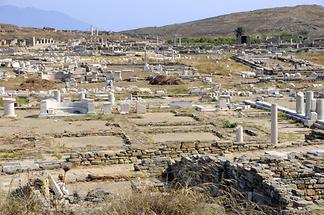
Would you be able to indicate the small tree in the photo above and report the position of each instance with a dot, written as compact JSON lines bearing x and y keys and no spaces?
{"x":239,"y":32}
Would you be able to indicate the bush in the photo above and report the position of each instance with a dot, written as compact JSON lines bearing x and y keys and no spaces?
{"x":19,"y":205}
{"x":228,"y":124}
{"x":282,"y":115}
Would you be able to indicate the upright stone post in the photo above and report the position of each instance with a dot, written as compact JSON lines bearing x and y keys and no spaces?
{"x":57,"y":95}
{"x":239,"y":134}
{"x":82,"y":96}
{"x":320,"y":109}
{"x":107,"y":108}
{"x":43,"y":108}
{"x":309,"y":101}
{"x":140,"y":107}
{"x":300,"y":106}
{"x":274,"y":124}
{"x":9,"y":107}
{"x":111,"y":98}
{"x":90,"y":106}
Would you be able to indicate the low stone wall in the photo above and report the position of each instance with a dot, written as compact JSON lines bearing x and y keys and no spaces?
{"x":17,"y":167}
{"x":189,"y":123}
{"x":168,"y":150}
{"x":134,"y":155}
{"x":125,"y":137}
{"x":155,"y":166}
{"x":162,"y":130}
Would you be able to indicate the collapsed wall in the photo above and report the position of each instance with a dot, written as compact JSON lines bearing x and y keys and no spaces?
{"x":287,"y":183}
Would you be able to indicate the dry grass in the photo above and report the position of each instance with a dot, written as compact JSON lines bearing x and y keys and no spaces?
{"x":19,"y":205}
{"x":222,"y":66}
{"x":315,"y":57}
{"x":89,"y":117}
{"x":177,"y":202}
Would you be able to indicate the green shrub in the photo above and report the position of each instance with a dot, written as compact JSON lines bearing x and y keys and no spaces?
{"x":228,"y":124}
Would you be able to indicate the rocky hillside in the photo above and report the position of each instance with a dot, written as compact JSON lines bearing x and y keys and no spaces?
{"x":285,"y":19}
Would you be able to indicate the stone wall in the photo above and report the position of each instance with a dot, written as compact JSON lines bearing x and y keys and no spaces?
{"x":288,"y":183}
{"x":131,"y":154}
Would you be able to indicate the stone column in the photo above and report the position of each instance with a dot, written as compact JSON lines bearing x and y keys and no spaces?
{"x":111,"y":98}
{"x":107,"y":108}
{"x":124,"y":107}
{"x":239,"y":134}
{"x":82,"y":96}
{"x":57,"y":95}
{"x":309,"y":101}
{"x":320,"y":109}
{"x":90,"y":106}
{"x":9,"y":107}
{"x":2,"y":91}
{"x":43,"y":108}
{"x":274,"y":124}
{"x":140,"y":107}
{"x":314,"y":101}
{"x":300,"y":106}
{"x":118,"y":76}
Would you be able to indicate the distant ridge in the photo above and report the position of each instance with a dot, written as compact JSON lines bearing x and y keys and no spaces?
{"x":283,"y":19}
{"x":33,"y":17}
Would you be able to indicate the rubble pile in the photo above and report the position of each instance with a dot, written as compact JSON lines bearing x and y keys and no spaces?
{"x":52,"y":197}
{"x":37,"y":84}
{"x":165,"y":80}
{"x":286,"y":182}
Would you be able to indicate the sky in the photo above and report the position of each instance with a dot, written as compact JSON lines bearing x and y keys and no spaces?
{"x":117,"y":15}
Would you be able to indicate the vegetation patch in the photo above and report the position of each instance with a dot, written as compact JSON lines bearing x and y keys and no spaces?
{"x":228,"y":124}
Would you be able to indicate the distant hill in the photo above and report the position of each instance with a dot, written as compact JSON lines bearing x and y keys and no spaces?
{"x":32,"y":17}
{"x":285,"y":19}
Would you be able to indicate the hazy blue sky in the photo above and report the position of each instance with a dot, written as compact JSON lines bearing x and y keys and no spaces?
{"x":127,"y":14}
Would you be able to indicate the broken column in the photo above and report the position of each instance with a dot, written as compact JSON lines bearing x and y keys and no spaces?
{"x":43,"y":108}
{"x":107,"y":108}
{"x":82,"y":96}
{"x":300,"y":106}
{"x":90,"y":106}
{"x":124,"y":107}
{"x":2,"y":91}
{"x":9,"y":107}
{"x":309,"y":101}
{"x":320,"y":109}
{"x":118,"y":76}
{"x":111,"y":98}
{"x":274,"y":124}
{"x":239,"y":134}
{"x":140,"y":107}
{"x":57,"y":95}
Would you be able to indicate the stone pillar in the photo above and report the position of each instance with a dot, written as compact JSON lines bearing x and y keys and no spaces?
{"x":107,"y":108}
{"x":300,"y":106}
{"x":57,"y":95}
{"x":82,"y":96}
{"x":320,"y":109}
{"x":111,"y":98}
{"x":309,"y":101}
{"x":90,"y":106}
{"x":140,"y":107}
{"x":9,"y":107}
{"x":43,"y":108}
{"x":274,"y":124}
{"x":124,"y":107}
{"x":239,"y":134}
{"x":314,"y":102}
{"x":118,"y":76}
